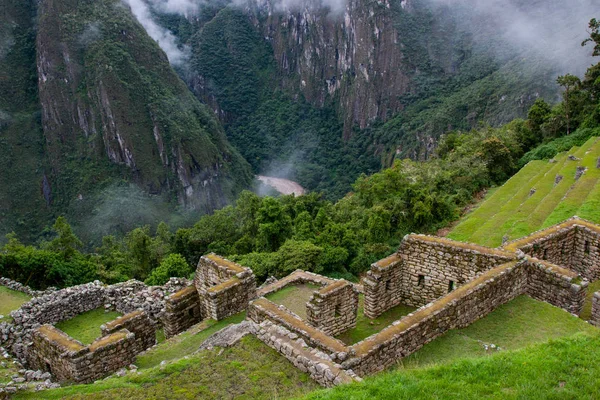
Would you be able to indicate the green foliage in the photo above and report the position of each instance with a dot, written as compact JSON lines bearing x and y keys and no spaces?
{"x":549,"y":150}
{"x":174,"y":265}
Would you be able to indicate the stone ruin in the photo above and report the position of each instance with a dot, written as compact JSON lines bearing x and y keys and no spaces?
{"x":69,"y":360}
{"x":221,"y":288}
{"x":334,"y":308}
{"x":453,"y":283}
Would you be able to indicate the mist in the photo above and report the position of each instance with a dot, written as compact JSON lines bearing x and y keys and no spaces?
{"x":552,"y":29}
{"x":120,"y":208}
{"x":183,"y":7}
{"x":165,"y":39}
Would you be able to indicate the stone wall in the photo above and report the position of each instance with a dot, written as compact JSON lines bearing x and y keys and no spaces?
{"x":316,"y":363}
{"x":558,"y":286}
{"x":68,"y":360}
{"x":224,"y":287}
{"x":595,"y":318}
{"x":458,"y":309}
{"x":182,"y":310}
{"x":334,"y":308}
{"x":67,"y":303}
{"x":297,"y":277}
{"x":261,"y":310}
{"x":19,"y":287}
{"x":139,"y":324}
{"x":424,"y":269}
{"x":574,"y":243}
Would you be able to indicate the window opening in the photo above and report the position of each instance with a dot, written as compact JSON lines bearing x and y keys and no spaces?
{"x":451,"y":286}
{"x":586,"y":249}
{"x":421,"y":281}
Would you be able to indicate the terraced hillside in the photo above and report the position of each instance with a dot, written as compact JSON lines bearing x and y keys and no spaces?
{"x":542,"y":194}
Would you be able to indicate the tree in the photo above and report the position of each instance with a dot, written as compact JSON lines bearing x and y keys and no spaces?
{"x":139,"y":246}
{"x":65,"y":242}
{"x":174,"y":265}
{"x":569,"y":83}
{"x":274,"y":225}
{"x":498,"y":159}
{"x":536,"y":117}
{"x":594,"y":37}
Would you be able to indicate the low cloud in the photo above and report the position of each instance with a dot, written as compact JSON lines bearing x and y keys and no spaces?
{"x":165,"y":39}
{"x":553,"y":29}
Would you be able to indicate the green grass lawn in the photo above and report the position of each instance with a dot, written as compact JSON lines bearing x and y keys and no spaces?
{"x":249,"y":370}
{"x":184,"y":344}
{"x":513,"y":211}
{"x":86,"y":327}
{"x":499,"y":196}
{"x":586,"y":313}
{"x":366,"y":327}
{"x":294,"y":297}
{"x":561,"y":369}
{"x":519,"y":323}
{"x":11,"y":300}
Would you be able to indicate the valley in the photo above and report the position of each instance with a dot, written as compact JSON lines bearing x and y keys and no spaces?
{"x":242,"y":199}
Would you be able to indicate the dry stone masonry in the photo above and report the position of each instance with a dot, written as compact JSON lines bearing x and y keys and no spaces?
{"x":595,"y":318}
{"x":574,"y":244}
{"x":334,"y":308}
{"x":424,"y":269}
{"x":69,"y":360}
{"x":453,"y":283}
{"x":182,"y":311}
{"x":224,"y":287}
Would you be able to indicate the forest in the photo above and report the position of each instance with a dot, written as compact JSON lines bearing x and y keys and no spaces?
{"x":276,"y":235}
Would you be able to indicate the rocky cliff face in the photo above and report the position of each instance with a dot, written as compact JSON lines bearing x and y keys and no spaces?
{"x":352,"y":55}
{"x":109,"y":97}
{"x":89,"y":101}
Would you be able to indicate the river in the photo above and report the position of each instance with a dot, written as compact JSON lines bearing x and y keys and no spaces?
{"x":283,"y":186}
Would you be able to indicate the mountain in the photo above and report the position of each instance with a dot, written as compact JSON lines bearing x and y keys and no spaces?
{"x":99,"y":123}
{"x":386,"y":78}
{"x":108,"y":108}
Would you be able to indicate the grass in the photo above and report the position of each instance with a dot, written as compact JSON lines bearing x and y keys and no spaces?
{"x":11,"y":300}
{"x":249,"y":370}
{"x":86,"y":327}
{"x":561,"y":369}
{"x":294,"y":297}
{"x":366,"y":327}
{"x":184,"y":344}
{"x":517,"y":324}
{"x":586,"y":313}
{"x":483,"y":212}
{"x":514,"y":212}
{"x":578,"y":194}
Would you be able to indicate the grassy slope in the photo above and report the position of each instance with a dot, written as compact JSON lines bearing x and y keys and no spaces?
{"x":366,"y":327}
{"x":294,"y":297}
{"x":184,"y":344}
{"x":86,"y":327}
{"x":514,"y":212}
{"x":249,"y":370}
{"x":561,"y":369}
{"x":520,"y":323}
{"x":10,"y":300}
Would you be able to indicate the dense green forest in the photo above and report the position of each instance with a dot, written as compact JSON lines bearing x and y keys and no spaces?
{"x":109,"y":177}
{"x":457,"y":80}
{"x":276,"y":235}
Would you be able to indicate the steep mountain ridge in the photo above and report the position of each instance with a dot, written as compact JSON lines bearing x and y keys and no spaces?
{"x":112,"y":109}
